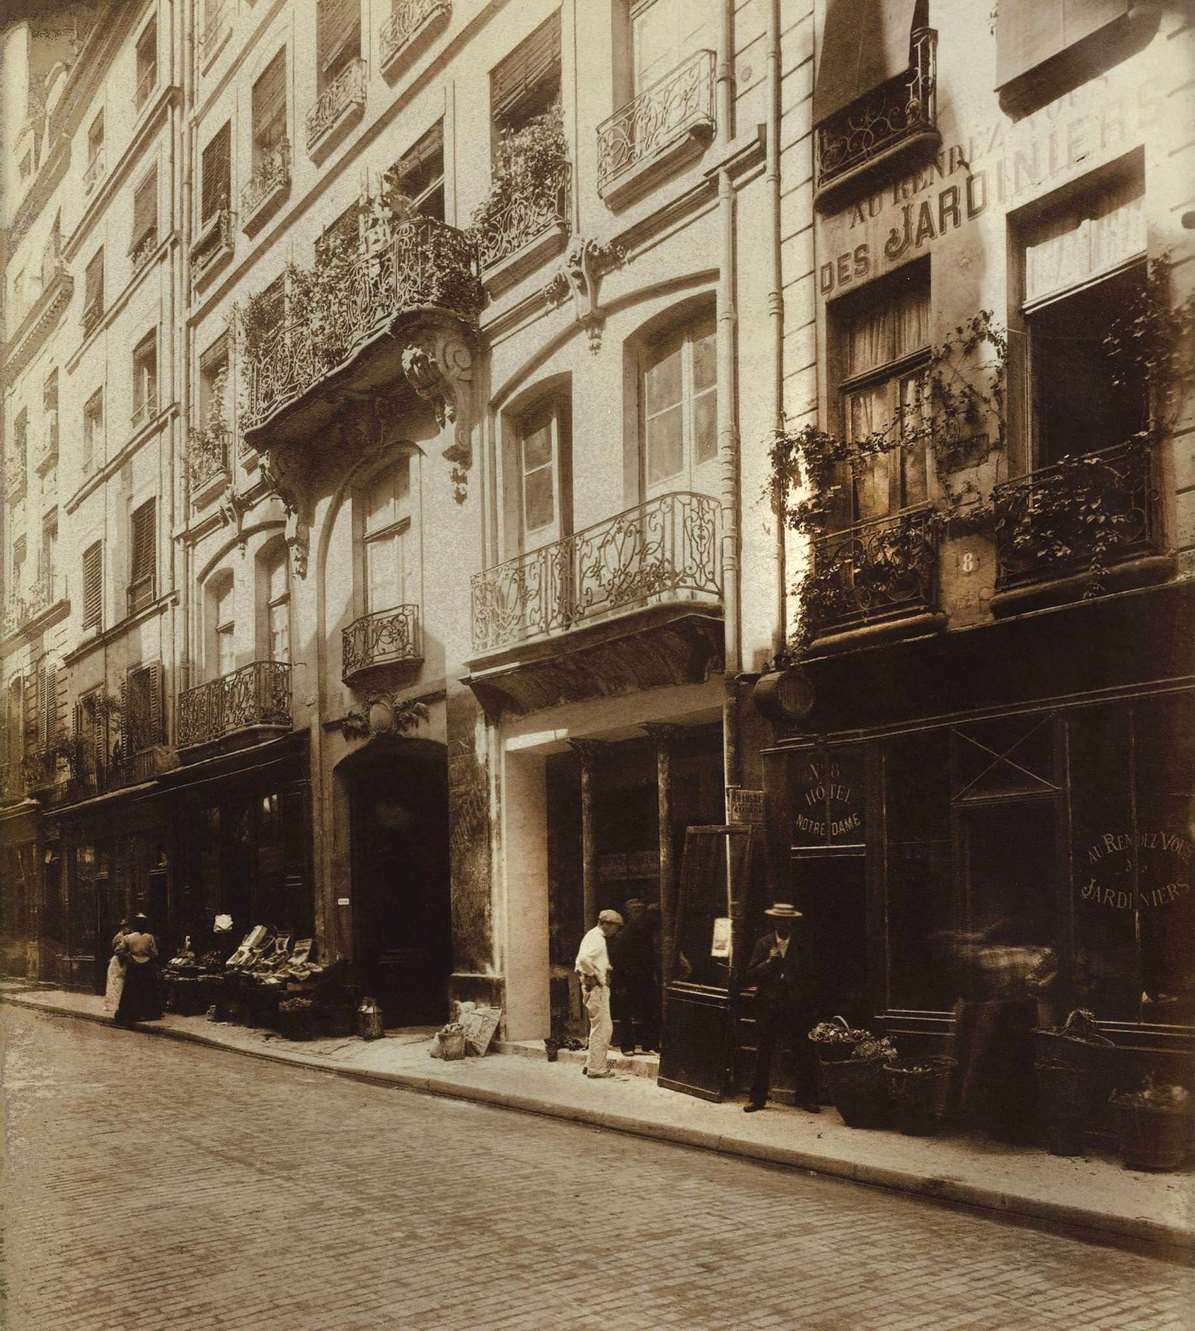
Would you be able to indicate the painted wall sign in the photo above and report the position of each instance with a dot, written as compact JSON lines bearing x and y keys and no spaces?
{"x":1000,"y":165}
{"x":1164,"y":870}
{"x":828,"y":806}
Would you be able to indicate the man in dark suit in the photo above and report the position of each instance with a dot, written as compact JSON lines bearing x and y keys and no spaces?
{"x":782,"y":973}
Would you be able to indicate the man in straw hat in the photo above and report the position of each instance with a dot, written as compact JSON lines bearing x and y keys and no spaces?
{"x":593,"y":966}
{"x":783,"y":977}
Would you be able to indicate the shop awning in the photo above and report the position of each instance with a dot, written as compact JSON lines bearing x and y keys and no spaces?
{"x":866,"y":42}
{"x":1030,"y":32}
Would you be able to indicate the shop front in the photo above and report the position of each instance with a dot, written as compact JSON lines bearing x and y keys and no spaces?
{"x":20,"y":873}
{"x":994,"y":785}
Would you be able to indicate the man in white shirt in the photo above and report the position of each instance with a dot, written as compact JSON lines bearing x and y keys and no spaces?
{"x":593,"y":966}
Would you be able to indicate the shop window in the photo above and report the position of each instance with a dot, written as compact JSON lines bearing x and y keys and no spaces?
{"x":147,"y":62}
{"x":337,"y":38}
{"x":418,"y":175}
{"x":679,"y":400}
{"x":216,"y":175}
{"x":93,"y":585}
{"x":663,"y":33}
{"x":526,"y":84}
{"x":145,"y":379}
{"x":386,"y":540}
{"x":1009,"y":872}
{"x":882,"y":346}
{"x":93,"y":429}
{"x":145,"y":217}
{"x":143,"y":556}
{"x":93,"y":291}
{"x":277,"y":597}
{"x":1003,"y":757}
{"x":141,"y":715}
{"x":1083,"y":266}
{"x":269,"y":112}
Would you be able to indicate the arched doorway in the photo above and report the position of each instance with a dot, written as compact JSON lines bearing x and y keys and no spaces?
{"x":402,"y":941}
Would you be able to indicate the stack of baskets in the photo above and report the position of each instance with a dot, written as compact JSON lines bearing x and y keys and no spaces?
{"x":853,"y":1076}
{"x":1074,"y":1079}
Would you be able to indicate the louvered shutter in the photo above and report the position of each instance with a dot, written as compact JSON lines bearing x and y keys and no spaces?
{"x":49,"y":706}
{"x":141,"y":577}
{"x":32,"y":712}
{"x":93,"y":283}
{"x":1030,"y":32}
{"x":143,"y":702}
{"x":93,"y":584}
{"x":216,"y":174}
{"x":269,"y":104}
{"x":145,"y":209}
{"x":120,"y":744}
{"x":338,"y":30}
{"x":532,"y":61}
{"x":154,"y":721}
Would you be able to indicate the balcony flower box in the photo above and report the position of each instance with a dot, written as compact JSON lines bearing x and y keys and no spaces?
{"x":269,"y":185}
{"x":207,"y":462}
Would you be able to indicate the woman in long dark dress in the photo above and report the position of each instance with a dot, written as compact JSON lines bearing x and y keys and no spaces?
{"x":140,"y":1000}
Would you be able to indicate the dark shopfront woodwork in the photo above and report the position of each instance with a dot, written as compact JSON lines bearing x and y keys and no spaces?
{"x":1063,"y":821}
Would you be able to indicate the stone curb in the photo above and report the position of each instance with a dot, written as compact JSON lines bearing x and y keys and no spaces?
{"x":1162,"y":1240}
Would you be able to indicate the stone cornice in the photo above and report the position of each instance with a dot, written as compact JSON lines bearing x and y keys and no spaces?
{"x":35,"y":327}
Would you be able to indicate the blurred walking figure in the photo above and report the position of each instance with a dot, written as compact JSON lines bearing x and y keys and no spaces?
{"x":140,"y":998}
{"x":593,"y":966}
{"x":115,"y":979}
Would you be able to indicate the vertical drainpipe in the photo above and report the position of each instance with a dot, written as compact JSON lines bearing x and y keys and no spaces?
{"x":776,"y":305}
{"x":183,"y":281}
{"x":728,"y":438}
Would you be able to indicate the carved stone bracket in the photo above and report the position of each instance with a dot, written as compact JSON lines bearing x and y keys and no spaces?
{"x":438,"y":364}
{"x":283,"y":481}
{"x":580,"y":273}
{"x":232,"y":509}
{"x":382,"y":714}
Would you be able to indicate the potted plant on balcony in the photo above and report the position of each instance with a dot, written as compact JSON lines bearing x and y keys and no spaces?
{"x":528,"y":181}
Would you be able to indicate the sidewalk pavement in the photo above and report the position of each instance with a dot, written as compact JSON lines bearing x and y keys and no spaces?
{"x":1094,"y":1194}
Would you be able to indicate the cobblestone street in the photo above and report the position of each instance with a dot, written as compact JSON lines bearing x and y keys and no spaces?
{"x":153,"y":1185}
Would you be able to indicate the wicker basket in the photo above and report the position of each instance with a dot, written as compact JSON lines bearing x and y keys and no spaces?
{"x":859,"y":1091}
{"x":917,"y":1090}
{"x":1078,"y":1043}
{"x":838,"y":1052}
{"x":1154,"y":1137}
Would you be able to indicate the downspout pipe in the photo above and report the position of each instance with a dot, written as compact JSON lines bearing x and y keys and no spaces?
{"x":776,"y":314}
{"x":183,"y":280}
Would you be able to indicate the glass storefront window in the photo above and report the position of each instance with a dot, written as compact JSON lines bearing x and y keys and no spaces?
{"x":827,"y":797}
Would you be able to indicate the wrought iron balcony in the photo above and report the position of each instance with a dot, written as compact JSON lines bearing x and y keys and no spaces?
{"x":215,"y":240}
{"x":876,"y":571}
{"x":269,"y":181}
{"x":346,"y":93}
{"x":255,"y":695}
{"x":536,"y":208}
{"x":387,"y":637}
{"x":409,"y":19}
{"x":670,"y":112}
{"x":94,"y":173}
{"x":144,"y":247}
{"x":424,"y":264}
{"x":663,"y":550}
{"x":1084,"y":513}
{"x":888,"y":120}
{"x":95,"y":769}
{"x":41,"y":766}
{"x":208,"y":457}
{"x":47,"y":592}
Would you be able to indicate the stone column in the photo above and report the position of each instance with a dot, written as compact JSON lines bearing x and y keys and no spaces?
{"x":664,"y":737}
{"x":589,"y":752}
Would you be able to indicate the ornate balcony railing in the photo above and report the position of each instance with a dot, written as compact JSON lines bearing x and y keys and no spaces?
{"x":96,"y":768}
{"x":40,"y":766}
{"x":214,"y":32}
{"x":537,"y":206}
{"x":347,"y":90}
{"x":207,"y":456}
{"x":408,"y":19}
{"x":1087,"y":511}
{"x":95,"y":170}
{"x":46,"y":454}
{"x":425,"y":263}
{"x":254,"y":695}
{"x":144,"y":248}
{"x":12,"y":788}
{"x":670,"y":109}
{"x":879,"y":570}
{"x":270,"y":178}
{"x":884,"y":118}
{"x":15,"y":477}
{"x":664,"y":549}
{"x":383,"y":638}
{"x":215,"y":238}
{"x":46,"y":592}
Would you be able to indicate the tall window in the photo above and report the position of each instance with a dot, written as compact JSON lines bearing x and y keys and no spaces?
{"x":93,"y":291}
{"x":213,"y":383}
{"x":142,"y":715}
{"x":277,"y":586}
{"x":20,"y":441}
{"x":269,"y":111}
{"x":18,"y":566}
{"x":386,"y":538}
{"x":419,"y":174}
{"x":93,"y":585}
{"x":145,"y":379}
{"x":49,"y":550}
{"x":663,"y":33}
{"x":216,"y":174}
{"x":93,"y":428}
{"x":527,"y":82}
{"x":49,"y":402}
{"x":95,"y":139}
{"x":224,"y":657}
{"x":883,"y":346}
{"x":143,"y":558}
{"x":680,"y":407}
{"x":147,"y":62}
{"x":145,"y":217}
{"x":1084,"y":267}
{"x":337,"y":38}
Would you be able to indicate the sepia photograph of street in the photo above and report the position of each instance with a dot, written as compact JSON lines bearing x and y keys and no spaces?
{"x":597,"y":665}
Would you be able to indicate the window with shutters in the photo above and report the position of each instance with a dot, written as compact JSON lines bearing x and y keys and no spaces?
{"x":145,"y":380}
{"x":93,"y":429}
{"x":46,"y":704}
{"x":216,"y":174}
{"x":337,"y":38}
{"x":269,"y":110}
{"x":143,"y":561}
{"x":142,"y":717}
{"x":527,"y":82}
{"x":418,"y":175}
{"x":93,"y":291}
{"x":147,"y":63}
{"x":145,"y":218}
{"x":93,"y":585}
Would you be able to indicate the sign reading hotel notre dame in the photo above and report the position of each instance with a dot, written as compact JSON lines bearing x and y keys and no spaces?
{"x":999,"y":166}
{"x":827,"y":804}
